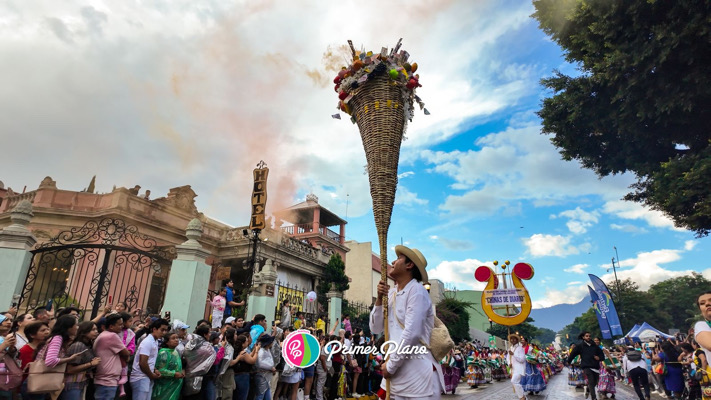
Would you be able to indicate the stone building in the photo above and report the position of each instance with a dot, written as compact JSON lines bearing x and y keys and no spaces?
{"x":130,"y":239}
{"x":363,"y":267}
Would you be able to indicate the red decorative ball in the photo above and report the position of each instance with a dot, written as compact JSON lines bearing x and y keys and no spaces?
{"x":411,"y":84}
{"x":482,"y":274}
{"x":342,"y":95}
{"x":337,"y":79}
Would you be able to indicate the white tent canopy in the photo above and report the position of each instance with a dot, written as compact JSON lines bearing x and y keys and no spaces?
{"x":644,"y":333}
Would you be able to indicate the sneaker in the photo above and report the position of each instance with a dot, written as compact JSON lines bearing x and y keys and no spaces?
{"x":585,"y":392}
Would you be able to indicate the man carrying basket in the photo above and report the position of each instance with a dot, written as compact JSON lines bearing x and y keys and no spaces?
{"x":410,"y":321}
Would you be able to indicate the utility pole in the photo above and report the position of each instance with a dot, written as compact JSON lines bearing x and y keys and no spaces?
{"x":617,"y":281}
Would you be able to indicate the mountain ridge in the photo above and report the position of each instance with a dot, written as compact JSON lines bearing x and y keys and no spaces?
{"x":558,"y":316}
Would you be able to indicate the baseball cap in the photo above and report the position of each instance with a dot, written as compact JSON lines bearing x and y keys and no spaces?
{"x":178,"y":324}
{"x":229,"y":320}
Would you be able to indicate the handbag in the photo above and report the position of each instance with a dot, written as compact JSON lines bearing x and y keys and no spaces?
{"x":10,"y":373}
{"x":660,"y":369}
{"x":440,"y":342}
{"x":43,"y":379}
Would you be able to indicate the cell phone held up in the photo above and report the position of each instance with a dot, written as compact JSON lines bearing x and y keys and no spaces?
{"x":167,"y":315}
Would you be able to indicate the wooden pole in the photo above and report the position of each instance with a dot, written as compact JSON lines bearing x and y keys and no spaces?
{"x":384,"y":278}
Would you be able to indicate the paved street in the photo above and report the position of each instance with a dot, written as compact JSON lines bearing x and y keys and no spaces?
{"x":558,"y":389}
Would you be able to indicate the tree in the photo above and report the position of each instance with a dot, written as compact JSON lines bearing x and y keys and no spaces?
{"x":455,"y":317}
{"x":638,"y":306}
{"x":677,"y":298}
{"x":640,"y":101}
{"x":335,"y":272}
{"x":525,"y":329}
{"x":545,"y":336}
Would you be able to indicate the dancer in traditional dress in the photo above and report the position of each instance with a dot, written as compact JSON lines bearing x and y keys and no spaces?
{"x":532,"y":381}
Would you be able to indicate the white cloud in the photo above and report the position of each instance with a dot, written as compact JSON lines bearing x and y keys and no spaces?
{"x":460,"y":273}
{"x":406,"y":197}
{"x":405,"y":174}
{"x":689,"y":245}
{"x":570,"y":295}
{"x":577,"y":268}
{"x":515,"y":165}
{"x":574,"y":283}
{"x":628,"y":228}
{"x":579,"y":219}
{"x":635,"y":211}
{"x":541,"y":245}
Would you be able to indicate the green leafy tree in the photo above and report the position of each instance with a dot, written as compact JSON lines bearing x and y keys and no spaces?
{"x":455,"y":316}
{"x":525,"y":329}
{"x":677,"y":298}
{"x":335,"y":272}
{"x":545,"y":336}
{"x":640,"y":102}
{"x":638,"y":306}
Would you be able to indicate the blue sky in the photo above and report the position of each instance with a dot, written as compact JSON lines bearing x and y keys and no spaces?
{"x":164,"y":94}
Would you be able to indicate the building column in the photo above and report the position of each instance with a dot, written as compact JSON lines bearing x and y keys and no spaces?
{"x":186,"y":293}
{"x":15,"y":244}
{"x":317,"y":219}
{"x":262,"y":298}
{"x":342,"y":234}
{"x":335,"y":302}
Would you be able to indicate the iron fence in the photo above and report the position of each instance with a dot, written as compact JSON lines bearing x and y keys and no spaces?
{"x":101,"y":263}
{"x":359,"y":314}
{"x":298,"y":299}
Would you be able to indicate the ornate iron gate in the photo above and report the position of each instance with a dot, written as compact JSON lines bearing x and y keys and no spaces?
{"x":297,"y":298}
{"x":101,"y":263}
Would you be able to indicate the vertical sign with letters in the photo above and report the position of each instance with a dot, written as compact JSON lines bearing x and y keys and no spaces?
{"x":259,"y":197}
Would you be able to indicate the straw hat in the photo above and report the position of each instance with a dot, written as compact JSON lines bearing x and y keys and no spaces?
{"x":416,"y":257}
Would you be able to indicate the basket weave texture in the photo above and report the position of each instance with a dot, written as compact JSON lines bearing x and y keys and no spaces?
{"x":378,"y":109}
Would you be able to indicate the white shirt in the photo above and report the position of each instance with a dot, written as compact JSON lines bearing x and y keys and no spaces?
{"x":20,"y":341}
{"x":628,"y":365}
{"x":703,"y":326}
{"x":518,"y":360}
{"x":411,"y":377}
{"x":148,"y":347}
{"x":265,"y":360}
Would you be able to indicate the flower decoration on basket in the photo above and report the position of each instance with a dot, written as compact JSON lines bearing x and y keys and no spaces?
{"x":394,"y":64}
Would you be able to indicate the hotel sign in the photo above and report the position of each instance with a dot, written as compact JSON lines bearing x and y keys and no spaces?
{"x":259,"y":197}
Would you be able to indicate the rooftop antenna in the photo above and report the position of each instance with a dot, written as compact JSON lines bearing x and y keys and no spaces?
{"x":346,"y":206}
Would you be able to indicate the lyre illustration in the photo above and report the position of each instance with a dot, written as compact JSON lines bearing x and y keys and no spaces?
{"x":514,"y":314}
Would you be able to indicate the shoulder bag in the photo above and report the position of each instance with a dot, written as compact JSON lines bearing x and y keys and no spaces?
{"x":43,"y":379}
{"x":10,"y":373}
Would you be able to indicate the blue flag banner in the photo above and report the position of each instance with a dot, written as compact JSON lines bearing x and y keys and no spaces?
{"x":607,"y":307}
{"x":601,"y":320}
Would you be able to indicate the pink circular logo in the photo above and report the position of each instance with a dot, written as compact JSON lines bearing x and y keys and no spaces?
{"x":301,"y":349}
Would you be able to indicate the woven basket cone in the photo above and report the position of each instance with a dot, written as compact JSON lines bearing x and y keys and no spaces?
{"x":378,"y":109}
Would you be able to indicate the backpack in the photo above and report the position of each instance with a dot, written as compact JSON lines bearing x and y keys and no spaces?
{"x":634,"y":355}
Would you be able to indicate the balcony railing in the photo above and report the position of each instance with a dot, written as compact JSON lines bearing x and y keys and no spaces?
{"x":300,"y":229}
